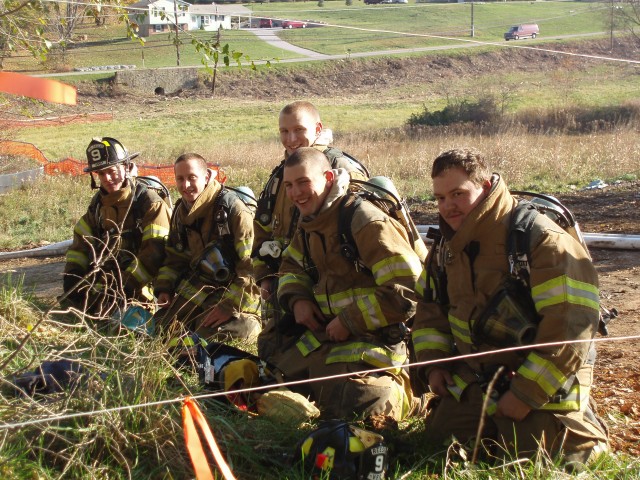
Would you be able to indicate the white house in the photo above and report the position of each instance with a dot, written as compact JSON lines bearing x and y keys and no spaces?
{"x":158,"y":16}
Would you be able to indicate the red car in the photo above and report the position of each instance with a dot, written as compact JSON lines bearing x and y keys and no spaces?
{"x":294,"y":24}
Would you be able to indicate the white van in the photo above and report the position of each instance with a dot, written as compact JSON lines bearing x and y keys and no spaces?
{"x":522,"y":31}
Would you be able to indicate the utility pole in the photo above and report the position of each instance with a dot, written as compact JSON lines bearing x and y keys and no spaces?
{"x":177,"y":39}
{"x":611,"y":28}
{"x":473,"y":28}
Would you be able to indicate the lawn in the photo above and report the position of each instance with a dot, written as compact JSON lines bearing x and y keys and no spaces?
{"x":421,"y":25}
{"x":352,"y":30}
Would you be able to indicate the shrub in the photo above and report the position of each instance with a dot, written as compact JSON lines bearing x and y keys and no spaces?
{"x":480,"y":111}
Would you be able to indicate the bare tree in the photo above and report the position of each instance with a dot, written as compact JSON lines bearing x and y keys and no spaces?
{"x":64,"y":17}
{"x":627,"y":13}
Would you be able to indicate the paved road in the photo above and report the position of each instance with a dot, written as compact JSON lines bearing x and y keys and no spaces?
{"x":269,"y":35}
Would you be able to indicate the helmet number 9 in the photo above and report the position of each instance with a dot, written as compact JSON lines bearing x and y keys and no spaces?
{"x":95,"y":154}
{"x":379,"y":463}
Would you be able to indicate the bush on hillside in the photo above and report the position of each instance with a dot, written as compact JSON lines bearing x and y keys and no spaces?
{"x":480,"y":111}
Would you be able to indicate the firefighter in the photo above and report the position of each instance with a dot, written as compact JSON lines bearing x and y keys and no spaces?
{"x":470,"y":302}
{"x":118,"y":243}
{"x":276,"y":217}
{"x":344,"y":318}
{"x":206,"y":283}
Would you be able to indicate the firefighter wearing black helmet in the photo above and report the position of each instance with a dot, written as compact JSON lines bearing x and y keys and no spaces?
{"x":118,"y":244}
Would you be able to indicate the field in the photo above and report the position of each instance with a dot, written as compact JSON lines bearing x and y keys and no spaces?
{"x":350,"y":30}
{"x":367,"y":104}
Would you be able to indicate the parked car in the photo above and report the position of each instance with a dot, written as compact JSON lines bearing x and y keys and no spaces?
{"x":266,"y":23}
{"x":371,"y":2}
{"x":400,"y":1}
{"x":522,"y":31}
{"x":294,"y":24}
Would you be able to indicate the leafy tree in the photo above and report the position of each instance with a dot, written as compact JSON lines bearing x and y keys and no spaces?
{"x":22,"y":26}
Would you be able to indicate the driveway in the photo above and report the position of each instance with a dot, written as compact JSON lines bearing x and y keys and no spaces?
{"x":269,"y":35}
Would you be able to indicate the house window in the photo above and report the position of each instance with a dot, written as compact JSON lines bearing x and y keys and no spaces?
{"x":194,"y":19}
{"x":206,"y":20}
{"x":157,"y":28}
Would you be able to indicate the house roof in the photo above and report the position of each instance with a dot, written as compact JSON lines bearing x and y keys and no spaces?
{"x":219,"y":9}
{"x":202,"y":8}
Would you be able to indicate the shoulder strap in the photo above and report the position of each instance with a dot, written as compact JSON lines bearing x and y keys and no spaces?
{"x":348,"y":246}
{"x":267,"y":198}
{"x":221,"y":211}
{"x":519,"y":240}
{"x":333,"y":153}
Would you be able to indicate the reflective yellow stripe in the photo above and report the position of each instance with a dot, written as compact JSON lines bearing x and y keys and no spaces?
{"x":139,"y":272}
{"x":167,"y":274}
{"x":458,"y":388}
{"x":390,"y":268}
{"x":368,"y":353}
{"x":83,"y":229}
{"x":364,"y":298}
{"x":78,"y":257}
{"x":577,"y":399}
{"x":421,"y":284}
{"x":241,"y":300}
{"x":293,"y":253}
{"x":154,"y":231}
{"x":460,"y":329}
{"x":243,"y":249}
{"x":564,"y":289}
{"x":307,"y":343}
{"x":293,"y":279}
{"x":432,"y":339}
{"x":542,"y":372}
{"x":191,"y":293}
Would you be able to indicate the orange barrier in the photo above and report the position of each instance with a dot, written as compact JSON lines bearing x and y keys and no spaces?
{"x":192,"y":415}
{"x":70,"y":166}
{"x":40,"y":88}
{"x":6,"y":123}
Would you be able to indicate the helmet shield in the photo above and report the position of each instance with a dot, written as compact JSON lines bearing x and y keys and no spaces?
{"x":106,"y":152}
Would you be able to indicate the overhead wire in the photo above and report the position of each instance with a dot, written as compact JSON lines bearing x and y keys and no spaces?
{"x":181,"y":398}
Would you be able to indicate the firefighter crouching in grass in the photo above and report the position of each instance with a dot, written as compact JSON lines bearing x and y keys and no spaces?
{"x":276,"y":217}
{"x":541,"y":400}
{"x":205,"y":284}
{"x":120,"y":240}
{"x":341,"y":318}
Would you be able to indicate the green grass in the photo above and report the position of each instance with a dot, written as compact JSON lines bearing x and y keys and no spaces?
{"x":432,"y":24}
{"x":110,"y":46}
{"x":147,"y":441}
{"x":429,"y":25}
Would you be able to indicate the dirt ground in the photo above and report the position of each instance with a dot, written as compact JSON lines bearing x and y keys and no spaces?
{"x":615,"y":209}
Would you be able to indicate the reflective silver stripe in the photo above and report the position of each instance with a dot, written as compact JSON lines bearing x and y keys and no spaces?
{"x":154,"y":231}
{"x":460,"y":329}
{"x":139,"y":272}
{"x":431,"y":339}
{"x":83,"y":229}
{"x":542,"y":372}
{"x":390,"y":268}
{"x":190,"y":293}
{"x":78,"y":257}
{"x":565,"y":289}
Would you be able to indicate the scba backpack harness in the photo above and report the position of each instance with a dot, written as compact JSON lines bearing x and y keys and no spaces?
{"x":381,"y":192}
{"x":519,"y":239}
{"x":510,"y":318}
{"x":219,"y":258}
{"x":267,"y":199}
{"x":146,"y":188}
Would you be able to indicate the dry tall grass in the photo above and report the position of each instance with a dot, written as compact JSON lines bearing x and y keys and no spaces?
{"x":534,"y":161}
